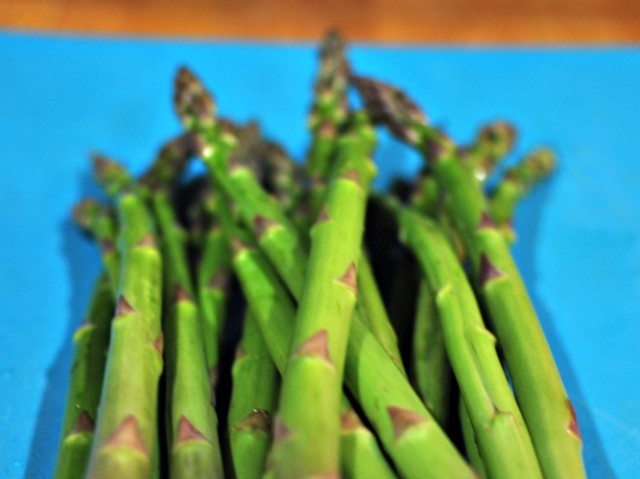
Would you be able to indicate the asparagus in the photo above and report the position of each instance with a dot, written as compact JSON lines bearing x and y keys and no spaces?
{"x":98,"y":222}
{"x":253,"y":401}
{"x":517,"y":182}
{"x":328,"y":114}
{"x":90,"y":344}
{"x":470,"y":441}
{"x":126,"y":425}
{"x":431,"y":367}
{"x":314,"y":368}
{"x":275,"y":312}
{"x":538,"y":387}
{"x":493,"y":142}
{"x":413,"y":439}
{"x":192,"y":433}
{"x":502,"y":436}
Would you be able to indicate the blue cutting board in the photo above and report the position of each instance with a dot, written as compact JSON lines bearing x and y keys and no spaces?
{"x":579,"y":246}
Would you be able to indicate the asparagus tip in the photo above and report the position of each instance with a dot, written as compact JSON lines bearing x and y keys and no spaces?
{"x":193,"y":103}
{"x":403,"y":419}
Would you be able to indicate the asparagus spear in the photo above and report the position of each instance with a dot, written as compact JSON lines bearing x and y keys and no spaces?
{"x":493,"y":142}
{"x":98,"y":222}
{"x":192,"y":434}
{"x":431,"y":366}
{"x":503,"y":439}
{"x":90,"y":344}
{"x":417,"y":445}
{"x":470,"y":441}
{"x":538,"y":387}
{"x":314,"y":368}
{"x":253,"y":401}
{"x":126,"y":426}
{"x":517,"y":182}
{"x":402,"y":409}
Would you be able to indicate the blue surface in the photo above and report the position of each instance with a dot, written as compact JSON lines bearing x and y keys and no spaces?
{"x":579,"y":247}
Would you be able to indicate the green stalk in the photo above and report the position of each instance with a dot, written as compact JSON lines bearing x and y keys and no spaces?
{"x":413,"y":439}
{"x":193,"y":437}
{"x":127,"y":417}
{"x":537,"y":383}
{"x":431,"y":365}
{"x":328,"y":115}
{"x":91,"y":342}
{"x":503,"y":439}
{"x":275,"y":312}
{"x":253,"y":401}
{"x":314,"y":369}
{"x":470,"y":441}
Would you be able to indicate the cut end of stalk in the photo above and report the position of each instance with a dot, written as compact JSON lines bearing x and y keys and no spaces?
{"x":258,"y":420}
{"x":187,"y":432}
{"x":84,"y":423}
{"x":317,"y":345}
{"x":261,"y":224}
{"x":124,"y":307}
{"x":573,"y":423}
{"x":402,"y":420}
{"x":349,"y":278}
{"x":488,"y":271}
{"x":128,"y":435}
{"x":350,"y":421}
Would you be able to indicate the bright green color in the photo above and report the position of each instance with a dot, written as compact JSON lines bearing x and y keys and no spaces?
{"x":91,"y":342}
{"x":253,"y":401}
{"x":470,"y":442}
{"x":503,"y":439}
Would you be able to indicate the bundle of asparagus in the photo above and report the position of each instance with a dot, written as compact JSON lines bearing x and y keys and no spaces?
{"x":245,"y":326}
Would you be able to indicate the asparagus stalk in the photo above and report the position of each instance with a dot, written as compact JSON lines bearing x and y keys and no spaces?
{"x":537,"y":383}
{"x":470,"y":441}
{"x":192,"y":434}
{"x":253,"y":401}
{"x":314,"y":369}
{"x":517,"y":182}
{"x":90,"y":345}
{"x":279,"y":239}
{"x":503,"y":439}
{"x":413,"y":439}
{"x":126,"y":425}
{"x":431,"y":366}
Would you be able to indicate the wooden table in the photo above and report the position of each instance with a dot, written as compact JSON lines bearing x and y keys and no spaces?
{"x":461,"y":21}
